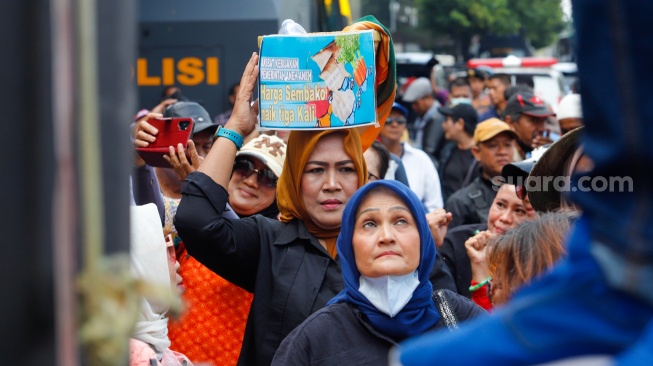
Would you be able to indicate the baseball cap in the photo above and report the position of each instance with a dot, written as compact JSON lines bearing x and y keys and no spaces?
{"x":400,"y":108}
{"x":200,"y":116}
{"x":516,"y":172}
{"x":464,"y":111}
{"x":418,"y":89}
{"x":269,"y":149}
{"x":490,"y":128}
{"x":570,"y":107}
{"x":478,"y":73}
{"x":525,"y":102}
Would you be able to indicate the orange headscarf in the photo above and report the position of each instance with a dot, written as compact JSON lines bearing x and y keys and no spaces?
{"x":386,"y":80}
{"x":289,"y":195}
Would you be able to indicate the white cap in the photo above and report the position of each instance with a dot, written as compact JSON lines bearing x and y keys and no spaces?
{"x":270,"y":150}
{"x":570,"y":107}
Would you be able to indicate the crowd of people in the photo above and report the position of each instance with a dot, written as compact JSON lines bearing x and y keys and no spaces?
{"x":327,"y":247}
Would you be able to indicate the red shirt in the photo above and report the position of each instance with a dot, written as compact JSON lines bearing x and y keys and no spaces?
{"x":213,"y":327}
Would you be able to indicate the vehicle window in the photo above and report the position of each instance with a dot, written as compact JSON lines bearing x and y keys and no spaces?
{"x":548,"y":89}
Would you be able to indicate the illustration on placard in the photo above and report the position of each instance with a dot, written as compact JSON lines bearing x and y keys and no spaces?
{"x":331,"y":88}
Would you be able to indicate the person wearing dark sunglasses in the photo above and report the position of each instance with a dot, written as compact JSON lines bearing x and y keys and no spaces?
{"x":253,"y":182}
{"x":398,"y":120}
{"x":251,"y":190}
{"x":246,"y":168}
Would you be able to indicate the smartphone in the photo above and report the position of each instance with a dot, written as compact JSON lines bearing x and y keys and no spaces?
{"x":172,"y":131}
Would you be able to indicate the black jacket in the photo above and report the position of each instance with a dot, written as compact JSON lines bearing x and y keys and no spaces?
{"x":433,"y":134}
{"x":340,"y":335}
{"x":455,"y":255}
{"x":471,"y":204}
{"x":287,"y":269}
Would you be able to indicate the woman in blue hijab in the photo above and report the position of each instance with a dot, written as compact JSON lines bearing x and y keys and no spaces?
{"x":386,"y":253}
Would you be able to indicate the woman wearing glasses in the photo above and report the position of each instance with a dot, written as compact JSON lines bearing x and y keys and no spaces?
{"x":213,"y":327}
{"x":253,"y":183}
{"x":423,"y":179}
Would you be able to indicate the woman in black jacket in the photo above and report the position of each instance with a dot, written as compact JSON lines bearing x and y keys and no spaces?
{"x":386,"y":252}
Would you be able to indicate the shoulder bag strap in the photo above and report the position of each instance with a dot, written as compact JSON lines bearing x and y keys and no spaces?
{"x":442,"y":304}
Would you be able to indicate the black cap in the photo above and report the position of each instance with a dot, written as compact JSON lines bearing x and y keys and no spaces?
{"x":200,"y":116}
{"x":461,"y":110}
{"x":526,"y":103}
{"x":552,"y":164}
{"x":478,"y":73}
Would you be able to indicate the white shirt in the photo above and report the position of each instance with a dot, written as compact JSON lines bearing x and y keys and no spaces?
{"x":422,"y":177}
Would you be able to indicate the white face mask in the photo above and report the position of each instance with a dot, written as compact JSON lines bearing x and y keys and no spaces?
{"x":455,"y":101}
{"x":389,"y":294}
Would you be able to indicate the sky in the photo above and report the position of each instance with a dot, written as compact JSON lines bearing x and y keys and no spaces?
{"x":566,"y":7}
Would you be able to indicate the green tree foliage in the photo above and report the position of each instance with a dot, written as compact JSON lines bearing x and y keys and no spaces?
{"x":540,"y":20}
{"x":379,"y":8}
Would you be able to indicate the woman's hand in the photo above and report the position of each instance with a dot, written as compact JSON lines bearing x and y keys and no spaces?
{"x":179,"y":162}
{"x":243,"y":117}
{"x":144,"y":134}
{"x":476,"y":248}
{"x":438,"y":221}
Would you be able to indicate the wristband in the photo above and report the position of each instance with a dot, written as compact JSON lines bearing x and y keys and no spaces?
{"x":234,"y":136}
{"x":480,"y":284}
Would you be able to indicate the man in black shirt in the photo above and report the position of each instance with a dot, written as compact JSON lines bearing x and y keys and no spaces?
{"x":459,"y":125}
{"x":493,"y":148}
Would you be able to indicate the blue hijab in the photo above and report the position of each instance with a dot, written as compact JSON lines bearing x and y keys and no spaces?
{"x":419,"y":314}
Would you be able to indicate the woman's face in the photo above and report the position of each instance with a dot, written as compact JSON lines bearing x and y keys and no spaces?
{"x":176,"y":281}
{"x":508,"y":211}
{"x":328,"y":181}
{"x":246,"y":195}
{"x":386,"y":240}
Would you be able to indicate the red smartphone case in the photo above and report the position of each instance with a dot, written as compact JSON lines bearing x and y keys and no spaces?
{"x":172,"y":131}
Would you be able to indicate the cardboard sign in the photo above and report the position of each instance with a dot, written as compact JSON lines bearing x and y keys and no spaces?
{"x":317,"y":81}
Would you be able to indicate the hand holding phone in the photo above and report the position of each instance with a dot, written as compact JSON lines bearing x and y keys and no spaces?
{"x":154,"y":138}
{"x":177,"y":159}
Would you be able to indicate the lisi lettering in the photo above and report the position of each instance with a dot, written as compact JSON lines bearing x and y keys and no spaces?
{"x":189,"y":71}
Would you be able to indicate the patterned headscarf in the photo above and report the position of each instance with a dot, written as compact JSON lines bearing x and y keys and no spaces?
{"x":386,"y":76}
